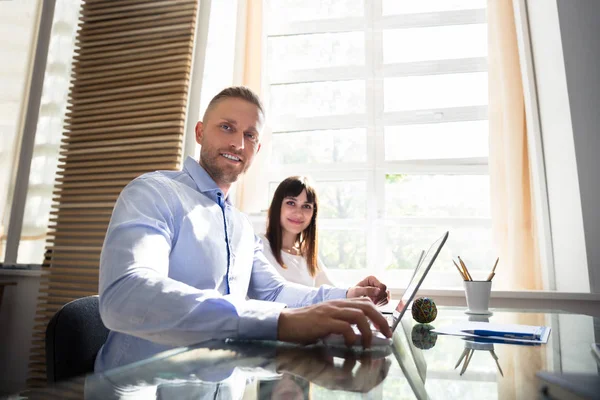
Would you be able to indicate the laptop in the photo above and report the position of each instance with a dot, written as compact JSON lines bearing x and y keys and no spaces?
{"x":423,"y":266}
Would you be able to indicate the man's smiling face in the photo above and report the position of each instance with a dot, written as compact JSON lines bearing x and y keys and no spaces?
{"x":229,"y":136}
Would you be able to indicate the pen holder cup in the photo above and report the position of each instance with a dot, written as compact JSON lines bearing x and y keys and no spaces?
{"x":478,"y":296}
{"x":479,"y":346}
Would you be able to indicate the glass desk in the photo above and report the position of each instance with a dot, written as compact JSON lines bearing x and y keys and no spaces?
{"x":419,"y":365}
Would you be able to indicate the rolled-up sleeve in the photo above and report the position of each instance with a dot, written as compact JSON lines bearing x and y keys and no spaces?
{"x":137,"y":297}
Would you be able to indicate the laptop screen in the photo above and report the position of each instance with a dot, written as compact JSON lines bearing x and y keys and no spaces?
{"x":418,"y":277}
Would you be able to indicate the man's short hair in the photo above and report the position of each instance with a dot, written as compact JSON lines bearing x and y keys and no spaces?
{"x":237,"y":92}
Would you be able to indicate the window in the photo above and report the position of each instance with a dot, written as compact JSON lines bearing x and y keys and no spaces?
{"x":220,"y":53}
{"x":54,"y":93}
{"x":384,"y":104}
{"x":219,"y":56}
{"x":18,"y":22}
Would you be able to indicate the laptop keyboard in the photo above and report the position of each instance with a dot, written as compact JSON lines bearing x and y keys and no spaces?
{"x":390,"y":321}
{"x":378,"y":339}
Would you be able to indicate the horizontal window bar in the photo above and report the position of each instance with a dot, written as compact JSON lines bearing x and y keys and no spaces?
{"x":433,"y":168}
{"x":435,"y":67}
{"x":360,"y":171}
{"x":440,"y":115}
{"x":446,"y":221}
{"x":431,"y":67}
{"x":362,"y":224}
{"x":318,"y":75}
{"x":461,"y":17}
{"x":322,"y":172}
{"x":284,"y":28}
{"x":289,"y":123}
{"x":286,"y":124}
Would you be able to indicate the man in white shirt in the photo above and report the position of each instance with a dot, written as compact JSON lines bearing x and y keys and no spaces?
{"x":179,"y":261}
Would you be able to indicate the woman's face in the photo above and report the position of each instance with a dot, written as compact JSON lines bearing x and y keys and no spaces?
{"x":296,"y":213}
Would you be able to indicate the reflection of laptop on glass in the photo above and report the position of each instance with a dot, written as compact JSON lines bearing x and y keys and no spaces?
{"x":418,"y":277}
{"x":412,"y":364}
{"x":417,"y":354}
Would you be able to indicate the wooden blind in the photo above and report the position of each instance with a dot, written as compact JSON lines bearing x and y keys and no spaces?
{"x":126,"y":114}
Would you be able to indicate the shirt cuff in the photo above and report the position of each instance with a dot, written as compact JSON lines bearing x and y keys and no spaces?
{"x":258,"y":320}
{"x":337,"y":293}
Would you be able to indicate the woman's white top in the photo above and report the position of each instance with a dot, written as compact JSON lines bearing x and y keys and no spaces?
{"x":297,"y":267}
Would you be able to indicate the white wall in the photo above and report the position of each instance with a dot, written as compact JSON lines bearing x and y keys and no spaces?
{"x":580,"y":33}
{"x":558,"y":142}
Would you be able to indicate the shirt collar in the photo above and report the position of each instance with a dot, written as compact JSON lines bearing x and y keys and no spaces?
{"x":202,"y":179}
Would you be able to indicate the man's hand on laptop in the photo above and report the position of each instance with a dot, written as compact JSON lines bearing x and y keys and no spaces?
{"x":371,"y":288}
{"x":308,"y":324}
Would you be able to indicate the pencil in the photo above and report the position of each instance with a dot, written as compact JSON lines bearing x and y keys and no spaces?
{"x":467,"y":274}
{"x":460,"y":271}
{"x":465,"y":267}
{"x":493,"y":353}
{"x":465,"y":351}
{"x":491,"y":275}
{"x":464,"y":368}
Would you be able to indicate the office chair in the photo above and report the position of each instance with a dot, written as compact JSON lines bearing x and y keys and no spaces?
{"x":73,"y":338}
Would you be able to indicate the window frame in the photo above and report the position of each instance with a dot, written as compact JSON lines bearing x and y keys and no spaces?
{"x":30,"y":112}
{"x":375,"y":119}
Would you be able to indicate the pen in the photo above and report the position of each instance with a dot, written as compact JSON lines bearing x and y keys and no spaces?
{"x":511,"y":335}
{"x":498,"y":341}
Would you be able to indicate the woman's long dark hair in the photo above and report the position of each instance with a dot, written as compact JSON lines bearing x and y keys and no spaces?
{"x":307,"y":239}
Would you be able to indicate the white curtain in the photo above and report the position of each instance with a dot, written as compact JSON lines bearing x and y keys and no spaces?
{"x":510,"y":179}
{"x":251,"y":193}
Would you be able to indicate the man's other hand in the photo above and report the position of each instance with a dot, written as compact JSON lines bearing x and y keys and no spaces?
{"x":371,"y":288}
{"x":308,"y":324}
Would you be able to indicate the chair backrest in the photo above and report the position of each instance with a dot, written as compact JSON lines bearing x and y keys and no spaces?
{"x":74,"y":336}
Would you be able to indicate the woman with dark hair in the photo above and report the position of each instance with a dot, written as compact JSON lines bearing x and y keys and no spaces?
{"x":291,"y":242}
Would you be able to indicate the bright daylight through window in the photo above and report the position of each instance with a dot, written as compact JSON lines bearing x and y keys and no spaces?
{"x":384,"y":104}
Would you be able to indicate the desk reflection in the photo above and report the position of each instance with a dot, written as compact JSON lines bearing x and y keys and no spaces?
{"x":227,"y":370}
{"x":420,"y":364}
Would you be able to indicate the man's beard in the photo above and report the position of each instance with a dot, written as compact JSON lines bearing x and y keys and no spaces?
{"x":220,"y":175}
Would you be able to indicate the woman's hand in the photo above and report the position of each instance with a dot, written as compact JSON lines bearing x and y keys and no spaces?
{"x":373,"y":289}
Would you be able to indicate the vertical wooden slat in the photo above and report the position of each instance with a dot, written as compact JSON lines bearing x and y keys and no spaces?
{"x":126,"y":114}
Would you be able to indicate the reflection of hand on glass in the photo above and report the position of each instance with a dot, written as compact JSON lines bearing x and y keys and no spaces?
{"x":288,"y":387}
{"x":316,"y":365}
